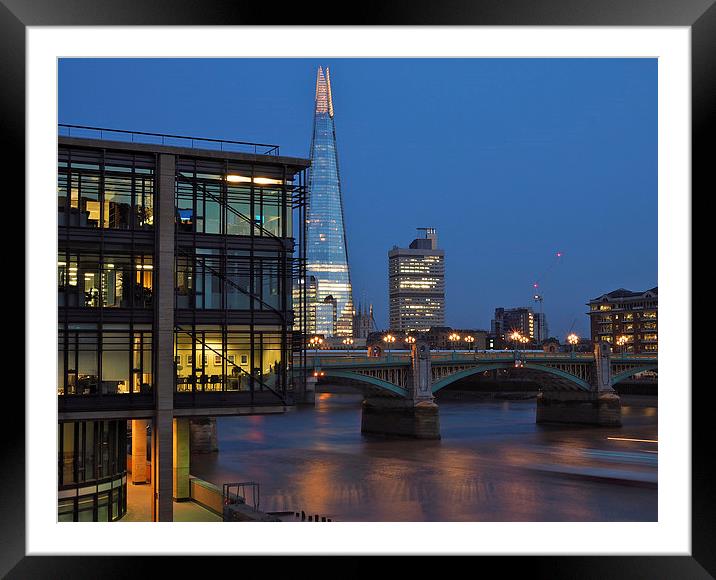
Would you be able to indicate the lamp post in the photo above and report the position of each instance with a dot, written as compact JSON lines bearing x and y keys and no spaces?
{"x":454,"y":337}
{"x":524,"y":340}
{"x":470,"y":340}
{"x":388,"y":339}
{"x":348,"y":342}
{"x":410,"y":340}
{"x":315,"y":342}
{"x":516,"y":338}
{"x":622,"y":342}
{"x":573,"y":339}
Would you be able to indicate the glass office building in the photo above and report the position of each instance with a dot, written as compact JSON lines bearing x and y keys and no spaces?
{"x":175,"y":268}
{"x":326,"y":251}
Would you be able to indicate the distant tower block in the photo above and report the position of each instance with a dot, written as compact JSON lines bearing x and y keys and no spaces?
{"x":416,"y":284}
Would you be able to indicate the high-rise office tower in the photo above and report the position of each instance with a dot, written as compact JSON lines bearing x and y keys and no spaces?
{"x":416,"y":284}
{"x":326,"y":251}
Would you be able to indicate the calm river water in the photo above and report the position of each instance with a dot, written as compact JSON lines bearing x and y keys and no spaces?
{"x":492,"y":464}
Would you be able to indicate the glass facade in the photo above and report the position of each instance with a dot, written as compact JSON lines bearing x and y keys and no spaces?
{"x":92,"y":471}
{"x":212,"y":358}
{"x":104,"y":359}
{"x":97,"y":188}
{"x":112,"y":279}
{"x":231,"y":270}
{"x":327,"y":254}
{"x":233,"y":264}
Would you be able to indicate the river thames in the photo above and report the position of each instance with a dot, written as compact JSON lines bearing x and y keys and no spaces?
{"x":493,"y":463}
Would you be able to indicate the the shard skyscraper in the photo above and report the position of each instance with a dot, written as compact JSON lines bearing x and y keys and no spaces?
{"x":326,"y":251}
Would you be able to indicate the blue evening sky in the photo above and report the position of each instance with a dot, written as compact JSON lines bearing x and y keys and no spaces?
{"x":512,"y":160}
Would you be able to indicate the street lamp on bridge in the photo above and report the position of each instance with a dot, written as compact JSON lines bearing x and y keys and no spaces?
{"x":348,"y":342}
{"x":517,"y":338}
{"x":388,"y":339}
{"x":454,"y":338}
{"x":410,"y":340}
{"x":469,"y":340}
{"x":315,"y":342}
{"x":573,"y":339}
{"x":622,"y":342}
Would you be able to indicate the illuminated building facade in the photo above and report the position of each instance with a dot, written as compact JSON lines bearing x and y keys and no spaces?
{"x":326,"y":253}
{"x":175,"y":268}
{"x":509,"y":320}
{"x":416,"y":284}
{"x":627,"y":320}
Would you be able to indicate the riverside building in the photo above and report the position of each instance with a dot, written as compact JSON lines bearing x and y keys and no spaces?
{"x":176,"y":262}
{"x":416,"y":284}
{"x":627,"y":320}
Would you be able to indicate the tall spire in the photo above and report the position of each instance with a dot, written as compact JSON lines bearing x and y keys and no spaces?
{"x":326,"y":252}
{"x":324,"y":99}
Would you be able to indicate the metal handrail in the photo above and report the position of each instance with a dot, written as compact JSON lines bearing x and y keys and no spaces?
{"x":271,"y":149}
{"x":234,"y":498}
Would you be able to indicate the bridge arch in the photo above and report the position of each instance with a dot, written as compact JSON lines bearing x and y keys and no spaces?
{"x":624,"y":375}
{"x":372,"y":381}
{"x":576,"y":381}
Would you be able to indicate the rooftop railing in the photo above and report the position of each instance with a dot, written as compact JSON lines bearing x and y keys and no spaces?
{"x":86,"y":132}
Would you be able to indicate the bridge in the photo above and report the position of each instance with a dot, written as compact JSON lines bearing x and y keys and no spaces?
{"x":574,"y":387}
{"x":390,"y":374}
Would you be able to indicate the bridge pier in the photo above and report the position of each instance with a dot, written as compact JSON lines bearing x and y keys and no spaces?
{"x":203,"y":435}
{"x":599,"y":406}
{"x":400,"y":418}
{"x":306,"y":395}
{"x":591,"y":408}
{"x":417,"y":416}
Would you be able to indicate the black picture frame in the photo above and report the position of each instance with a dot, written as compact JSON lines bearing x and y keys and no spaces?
{"x":699,"y":15}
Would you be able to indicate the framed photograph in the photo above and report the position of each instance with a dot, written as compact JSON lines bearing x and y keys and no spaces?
{"x":435,"y":82}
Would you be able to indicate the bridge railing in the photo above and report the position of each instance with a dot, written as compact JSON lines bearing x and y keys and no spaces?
{"x":316,"y":360}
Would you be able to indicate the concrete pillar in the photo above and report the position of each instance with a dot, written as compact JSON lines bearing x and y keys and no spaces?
{"x":181,"y":459}
{"x":306,"y":394}
{"x":139,"y":452}
{"x":599,"y":406}
{"x":203,"y":435}
{"x":162,"y":466}
{"x":309,"y":396}
{"x":391,"y":416}
{"x":421,"y":380}
{"x":417,"y":416}
{"x":573,"y":407}
{"x":163,"y":456}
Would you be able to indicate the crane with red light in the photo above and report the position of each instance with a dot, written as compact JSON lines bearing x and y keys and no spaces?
{"x":538,"y":296}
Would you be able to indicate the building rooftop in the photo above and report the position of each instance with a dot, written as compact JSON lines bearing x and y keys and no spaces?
{"x":178,"y":144}
{"x":624,"y":293}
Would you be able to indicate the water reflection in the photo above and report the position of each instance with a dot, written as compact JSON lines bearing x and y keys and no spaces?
{"x":492,"y":464}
